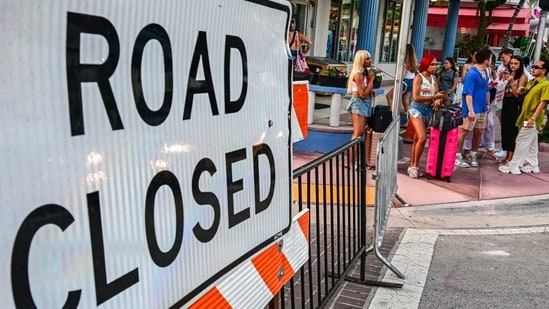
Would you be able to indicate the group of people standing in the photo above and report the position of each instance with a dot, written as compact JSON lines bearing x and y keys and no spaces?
{"x":509,"y":93}
{"x":520,"y":114}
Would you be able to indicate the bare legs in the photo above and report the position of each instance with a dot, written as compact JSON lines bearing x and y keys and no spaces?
{"x":389,"y":97}
{"x":405,"y":100}
{"x":420,"y":138}
{"x":475,"y":143}
{"x":477,"y":135}
{"x":359,"y":125}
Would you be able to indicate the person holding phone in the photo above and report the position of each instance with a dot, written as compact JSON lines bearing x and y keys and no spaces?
{"x":529,"y":121}
{"x":426,"y":97}
{"x":474,"y":105}
{"x":360,"y":84}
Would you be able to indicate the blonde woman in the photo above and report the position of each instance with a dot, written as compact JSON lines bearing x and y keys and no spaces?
{"x":360,"y":86}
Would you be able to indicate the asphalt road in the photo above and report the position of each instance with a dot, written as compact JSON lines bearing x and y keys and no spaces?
{"x":488,"y":271}
{"x":493,"y":255}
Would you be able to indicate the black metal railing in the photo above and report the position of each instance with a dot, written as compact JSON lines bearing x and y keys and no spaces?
{"x":334,"y":190}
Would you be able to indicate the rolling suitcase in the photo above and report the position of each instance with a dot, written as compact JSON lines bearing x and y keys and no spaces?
{"x":441,"y":154}
{"x":372,"y":139}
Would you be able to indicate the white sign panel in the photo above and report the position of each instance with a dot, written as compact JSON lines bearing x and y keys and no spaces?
{"x":145,"y":145}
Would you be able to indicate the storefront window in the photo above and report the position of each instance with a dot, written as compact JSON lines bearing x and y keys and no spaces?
{"x":342,"y":30}
{"x":392,"y":15}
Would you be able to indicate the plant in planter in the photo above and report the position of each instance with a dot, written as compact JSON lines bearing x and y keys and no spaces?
{"x":378,"y":76}
{"x":333,"y":77}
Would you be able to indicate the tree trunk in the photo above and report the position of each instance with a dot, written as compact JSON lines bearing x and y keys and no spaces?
{"x":481,"y":34}
{"x":512,"y":23}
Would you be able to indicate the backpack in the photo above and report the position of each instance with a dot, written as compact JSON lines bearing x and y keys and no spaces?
{"x":446,"y":118}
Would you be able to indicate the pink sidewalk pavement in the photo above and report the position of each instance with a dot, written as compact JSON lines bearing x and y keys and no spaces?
{"x":467,"y":184}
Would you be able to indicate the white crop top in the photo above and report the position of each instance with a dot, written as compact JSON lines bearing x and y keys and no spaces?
{"x":354,"y":86}
{"x":427,"y":87}
{"x":408,"y":74}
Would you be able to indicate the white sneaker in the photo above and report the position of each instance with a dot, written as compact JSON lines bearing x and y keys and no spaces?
{"x":459,"y":161}
{"x":500,"y":153}
{"x":507,"y":170}
{"x":527,"y":168}
{"x":474,"y":162}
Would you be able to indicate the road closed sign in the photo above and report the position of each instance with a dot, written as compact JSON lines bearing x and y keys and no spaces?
{"x":145,"y":147}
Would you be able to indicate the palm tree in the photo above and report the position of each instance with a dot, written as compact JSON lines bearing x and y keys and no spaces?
{"x":512,"y":22}
{"x":479,"y":40}
{"x":483,"y":6}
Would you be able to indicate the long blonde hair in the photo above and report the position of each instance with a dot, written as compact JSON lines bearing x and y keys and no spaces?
{"x":357,"y":67}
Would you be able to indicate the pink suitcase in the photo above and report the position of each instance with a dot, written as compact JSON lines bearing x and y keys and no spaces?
{"x":441,"y":154}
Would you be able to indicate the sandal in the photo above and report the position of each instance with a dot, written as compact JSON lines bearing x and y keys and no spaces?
{"x":503,"y":162}
{"x":491,"y":156}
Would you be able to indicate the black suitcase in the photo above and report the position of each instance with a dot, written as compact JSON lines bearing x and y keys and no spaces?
{"x":381,"y":118}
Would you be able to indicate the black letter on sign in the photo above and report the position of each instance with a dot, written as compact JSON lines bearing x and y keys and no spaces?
{"x":233,"y":187}
{"x":160,"y":258}
{"x":78,"y":73}
{"x":148,"y":33}
{"x":263,"y":149}
{"x":194,"y":86}
{"x":103,"y":290}
{"x":205,"y":198}
{"x":47,"y":214}
{"x":235,"y":106}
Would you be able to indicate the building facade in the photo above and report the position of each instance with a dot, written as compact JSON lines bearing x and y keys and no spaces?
{"x":334,"y":26}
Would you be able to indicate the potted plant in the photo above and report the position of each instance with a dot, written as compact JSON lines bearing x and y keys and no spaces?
{"x":378,"y":76}
{"x":333,"y":77}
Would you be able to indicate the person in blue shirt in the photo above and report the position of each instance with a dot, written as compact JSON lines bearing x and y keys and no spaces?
{"x":475,"y":103}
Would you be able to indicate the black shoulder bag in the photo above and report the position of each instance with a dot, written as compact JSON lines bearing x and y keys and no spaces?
{"x":525,"y":92}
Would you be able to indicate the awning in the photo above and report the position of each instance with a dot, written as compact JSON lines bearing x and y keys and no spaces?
{"x":501,"y":29}
{"x":438,"y":17}
{"x":467,"y":18}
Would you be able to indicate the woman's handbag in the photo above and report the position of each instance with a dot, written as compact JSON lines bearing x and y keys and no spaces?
{"x":500,"y":93}
{"x":301,"y":64}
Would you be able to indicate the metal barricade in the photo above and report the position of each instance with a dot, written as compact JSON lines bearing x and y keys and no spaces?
{"x":386,"y":187}
{"x":336,"y":198}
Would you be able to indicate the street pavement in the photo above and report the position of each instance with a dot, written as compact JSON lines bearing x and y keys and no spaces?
{"x":492,"y":255}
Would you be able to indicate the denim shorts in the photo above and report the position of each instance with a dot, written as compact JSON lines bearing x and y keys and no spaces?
{"x":294,"y":55}
{"x":418,"y":110}
{"x":362,"y":107}
{"x":409,"y":82}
